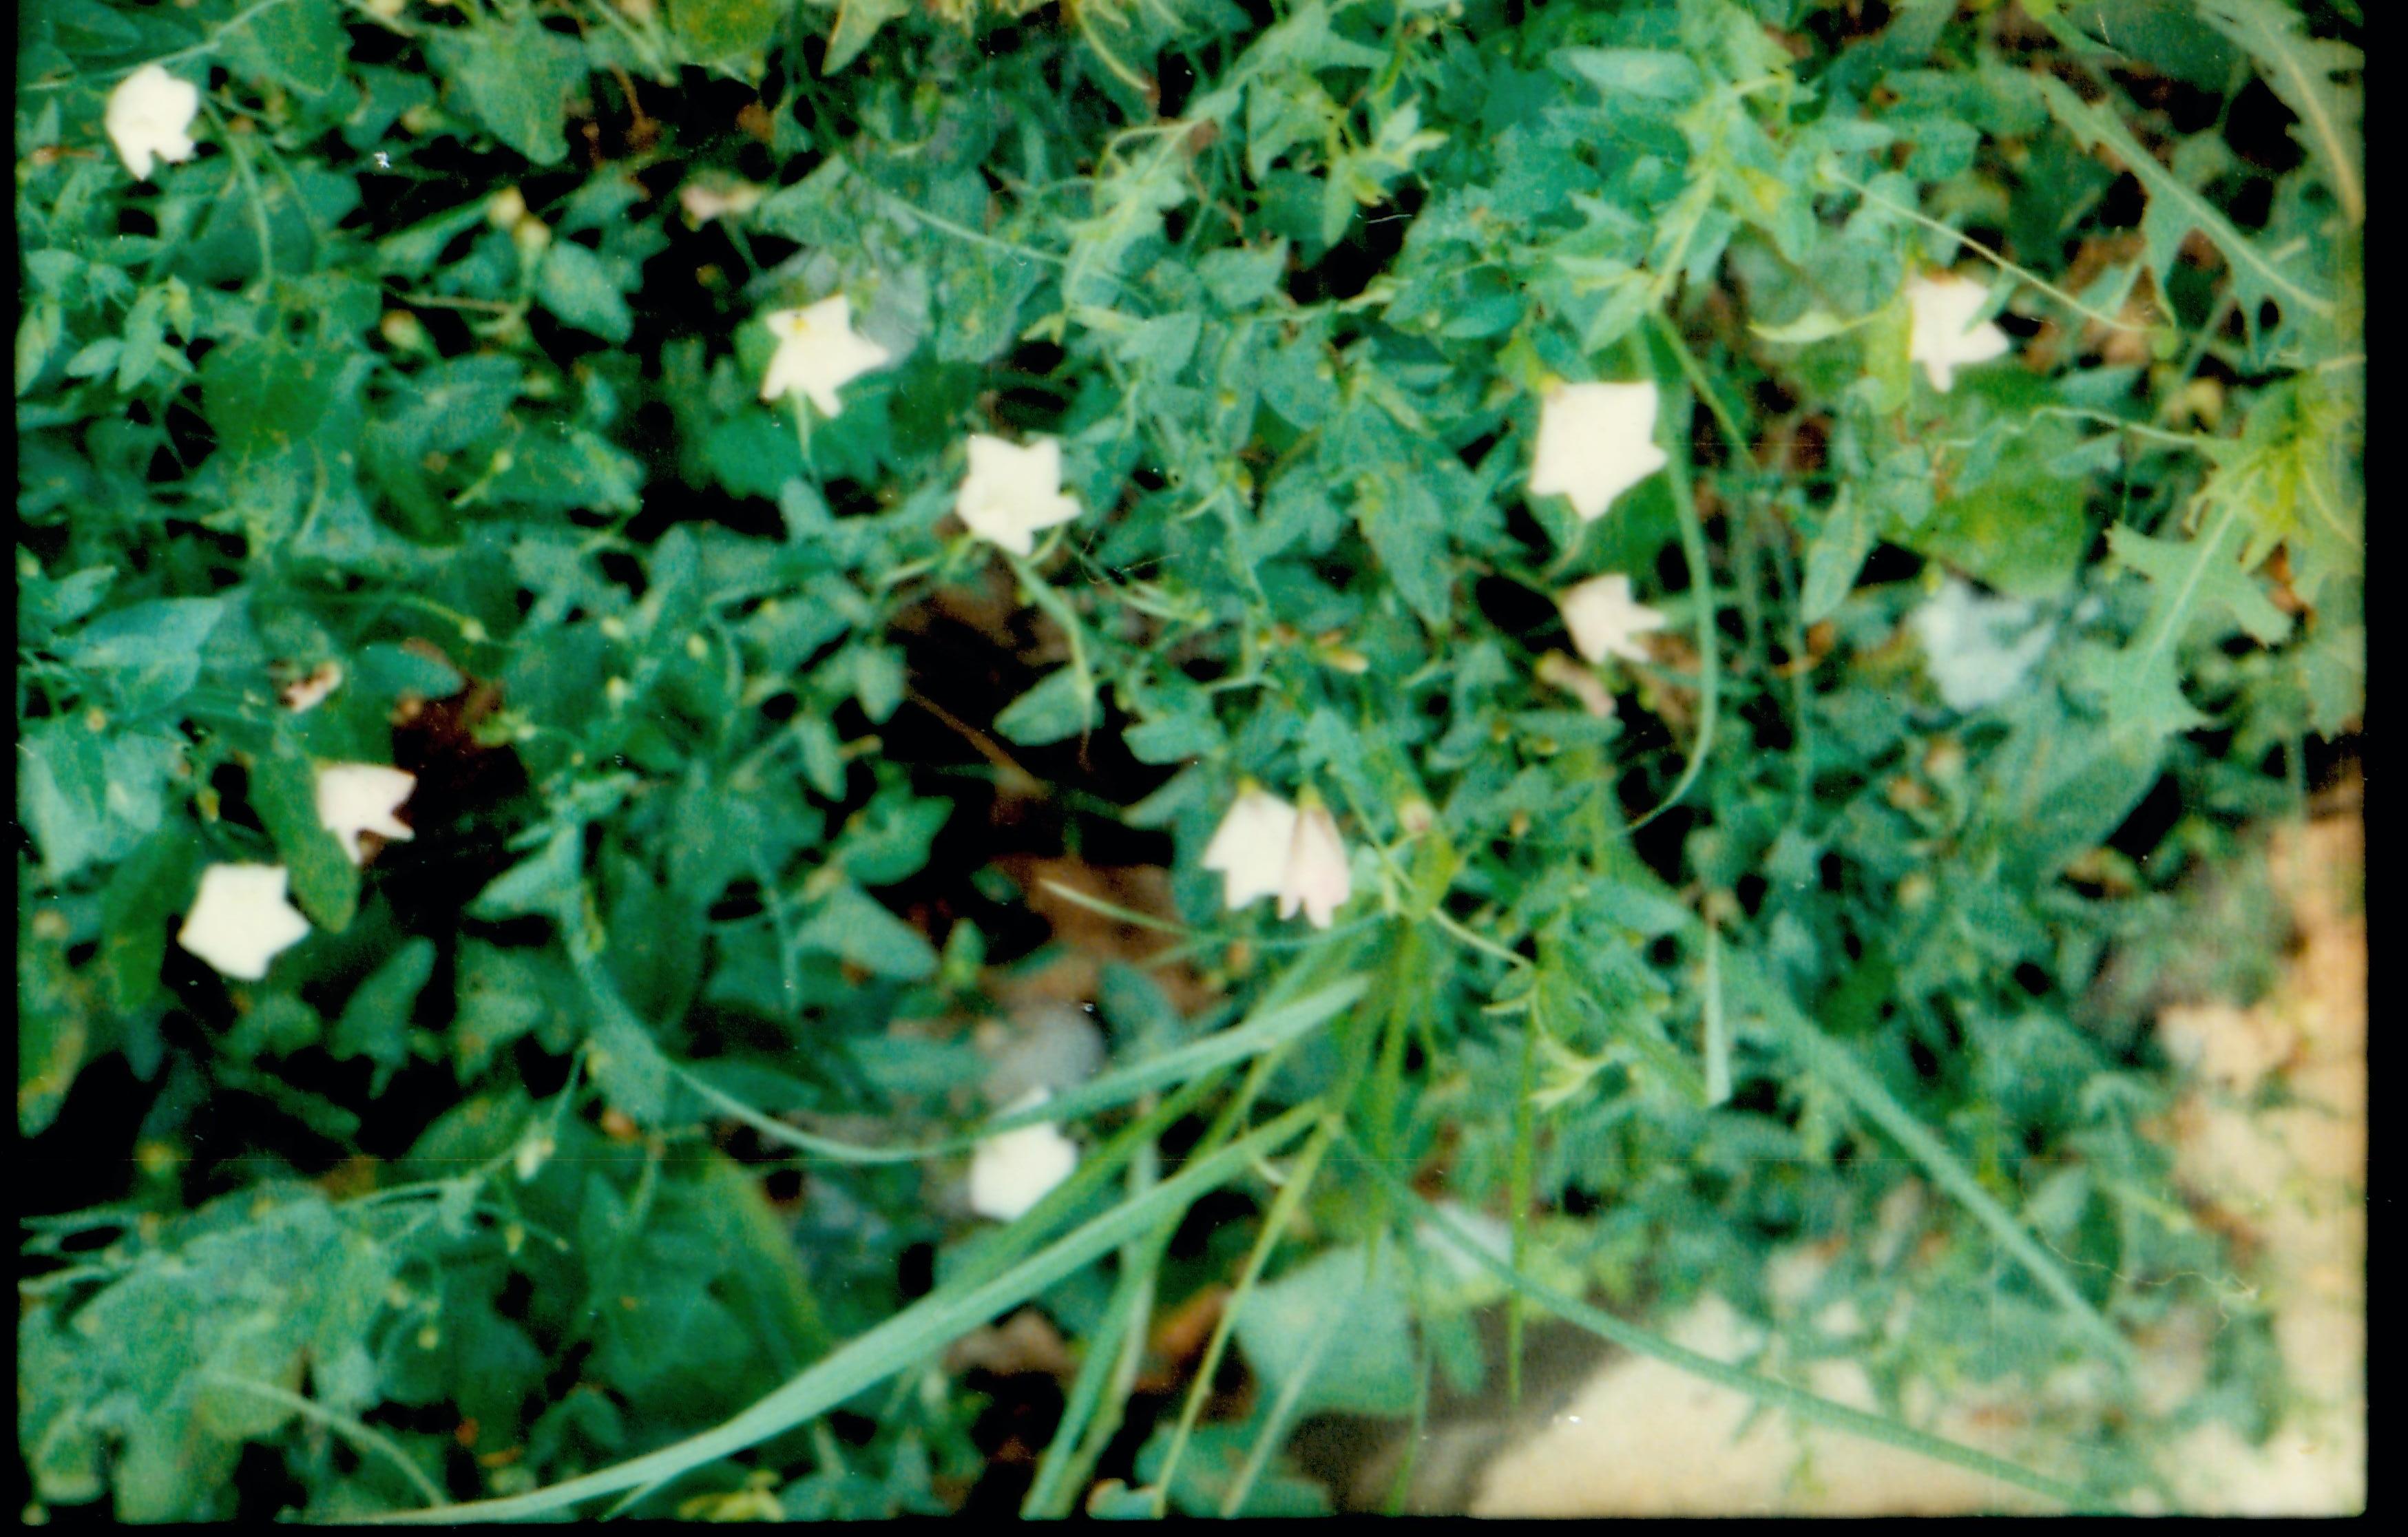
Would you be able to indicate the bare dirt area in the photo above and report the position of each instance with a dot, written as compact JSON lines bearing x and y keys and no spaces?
{"x":2268,"y":1144}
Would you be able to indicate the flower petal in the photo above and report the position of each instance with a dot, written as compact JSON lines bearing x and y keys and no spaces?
{"x":240,"y":919}
{"x":1012,"y":1171}
{"x":357,"y":798}
{"x":1251,"y":847}
{"x":1596,"y":441}
{"x":1317,"y":878}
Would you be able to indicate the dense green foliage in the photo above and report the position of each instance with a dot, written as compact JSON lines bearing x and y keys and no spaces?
{"x":437,"y":364}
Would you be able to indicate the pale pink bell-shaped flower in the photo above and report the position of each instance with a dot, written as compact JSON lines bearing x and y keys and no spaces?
{"x":1603,"y":620}
{"x":1596,"y":441}
{"x":357,"y":798}
{"x":1251,"y":847}
{"x":150,"y":116}
{"x":818,"y":353}
{"x":240,"y":919}
{"x":1012,"y":491}
{"x":1316,"y":879}
{"x":1945,"y":335}
{"x":1012,"y":1171}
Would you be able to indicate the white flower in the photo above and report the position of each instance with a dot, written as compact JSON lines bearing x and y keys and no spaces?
{"x":704,"y":201}
{"x":1603,"y":620}
{"x":149,"y":114}
{"x":1965,"y":645}
{"x":1251,"y":847}
{"x":1012,"y":1171}
{"x":357,"y":798}
{"x":1316,"y":878}
{"x":1944,"y":333}
{"x":240,"y":919}
{"x":818,"y":353}
{"x":1596,"y":441}
{"x":1011,"y":492}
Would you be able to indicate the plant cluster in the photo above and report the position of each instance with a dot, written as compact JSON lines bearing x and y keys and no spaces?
{"x":1717,"y":558}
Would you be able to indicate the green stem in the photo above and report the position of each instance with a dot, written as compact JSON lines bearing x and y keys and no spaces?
{"x":1284,"y":1206}
{"x":1701,"y":586}
{"x":343,"y":1425}
{"x":1519,"y":1177}
{"x":2024,"y":274}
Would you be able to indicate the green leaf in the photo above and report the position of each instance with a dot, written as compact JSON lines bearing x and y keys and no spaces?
{"x":1241,"y":277}
{"x":153,"y":884}
{"x":54,"y":1034}
{"x":302,"y":44}
{"x":856,"y":22}
{"x":44,"y":606}
{"x":1850,"y":530}
{"x":1060,"y":706}
{"x":979,"y":292}
{"x":727,"y":29}
{"x":391,"y":671}
{"x":148,"y":657}
{"x":2176,"y":208}
{"x":516,"y":78}
{"x":2204,"y":579}
{"x":285,"y":792}
{"x":631,"y":1071}
{"x":1406,"y":523}
{"x":375,"y":1022}
{"x":264,"y":393}
{"x":1170,"y":738}
{"x":1342,"y":1322}
{"x":574,"y":285}
{"x":1649,"y":72}
{"x":39,"y":335}
{"x":903,"y":1339}
{"x":853,"y":926}
{"x":2201,"y":592}
{"x":146,"y":328}
{"x":2020,"y":522}
{"x":541,"y":884}
{"x":2300,"y":69}
{"x":889,"y":839}
{"x":89,"y":799}
{"x":503,"y":994}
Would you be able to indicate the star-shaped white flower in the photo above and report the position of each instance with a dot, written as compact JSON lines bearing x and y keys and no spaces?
{"x":1316,"y":879}
{"x":149,"y":117}
{"x":240,"y":919}
{"x":357,"y":798}
{"x":1945,"y":335}
{"x":1011,"y":492}
{"x":1250,"y":846}
{"x":1596,"y":441}
{"x":1604,"y":621}
{"x":818,"y":353}
{"x":1012,"y":1171}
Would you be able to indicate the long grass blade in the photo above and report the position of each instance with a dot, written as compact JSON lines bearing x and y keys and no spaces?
{"x":1780,"y":1395}
{"x":910,"y":1336}
{"x":1837,"y":1066}
{"x":1268,"y":1028}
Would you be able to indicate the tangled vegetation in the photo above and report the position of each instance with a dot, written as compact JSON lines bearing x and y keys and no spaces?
{"x":593,"y":574}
